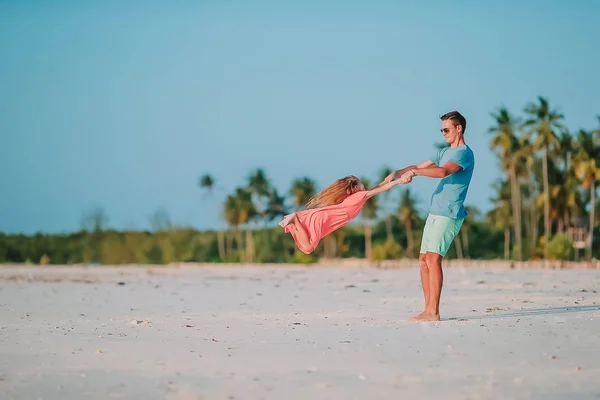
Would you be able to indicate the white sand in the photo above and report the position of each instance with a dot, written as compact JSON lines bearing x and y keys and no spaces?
{"x":296,"y":333}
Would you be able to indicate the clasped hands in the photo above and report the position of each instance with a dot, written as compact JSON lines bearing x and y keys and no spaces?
{"x":404,"y":178}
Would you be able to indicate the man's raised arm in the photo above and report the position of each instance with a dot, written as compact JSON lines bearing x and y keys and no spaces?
{"x":433,"y":172}
{"x":397,"y":174}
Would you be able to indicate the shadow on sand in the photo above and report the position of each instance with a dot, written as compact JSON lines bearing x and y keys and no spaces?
{"x":531,"y":312}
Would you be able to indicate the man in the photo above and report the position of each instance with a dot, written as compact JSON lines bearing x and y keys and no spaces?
{"x":454,"y":164}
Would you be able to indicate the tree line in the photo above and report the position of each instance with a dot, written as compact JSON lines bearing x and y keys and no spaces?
{"x":544,"y":207}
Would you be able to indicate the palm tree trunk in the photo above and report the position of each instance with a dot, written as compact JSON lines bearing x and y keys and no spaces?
{"x":527,"y":227}
{"x":593,"y":206}
{"x":329,"y":246}
{"x":519,"y":206}
{"x":560,"y":227}
{"x":409,"y":239}
{"x":229,"y":242}
{"x":334,"y":247}
{"x":516,"y":206}
{"x":249,"y":246}
{"x":388,"y":227}
{"x":240,"y":244}
{"x":506,"y":243}
{"x":266,"y":240}
{"x":535,"y":220}
{"x":221,"y":245}
{"x":546,"y":203}
{"x":465,"y":240}
{"x":457,"y":243}
{"x":368,"y":242}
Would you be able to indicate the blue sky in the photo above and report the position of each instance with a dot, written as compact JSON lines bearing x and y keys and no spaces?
{"x":124,"y":104}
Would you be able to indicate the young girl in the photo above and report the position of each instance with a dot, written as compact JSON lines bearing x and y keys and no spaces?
{"x":329,"y":210}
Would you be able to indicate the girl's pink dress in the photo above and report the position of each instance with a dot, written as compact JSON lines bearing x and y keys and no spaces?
{"x":320,"y":222}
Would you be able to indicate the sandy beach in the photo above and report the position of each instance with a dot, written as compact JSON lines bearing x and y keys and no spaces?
{"x":234,"y":333}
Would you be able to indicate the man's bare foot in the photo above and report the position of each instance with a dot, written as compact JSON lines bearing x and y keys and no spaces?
{"x":425,"y":316}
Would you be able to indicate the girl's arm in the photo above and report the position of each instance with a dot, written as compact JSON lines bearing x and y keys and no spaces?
{"x":382,"y":187}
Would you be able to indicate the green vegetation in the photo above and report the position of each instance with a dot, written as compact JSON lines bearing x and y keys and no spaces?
{"x":543,"y":204}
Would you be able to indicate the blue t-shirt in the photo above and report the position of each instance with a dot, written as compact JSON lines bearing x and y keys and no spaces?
{"x":449,"y":197}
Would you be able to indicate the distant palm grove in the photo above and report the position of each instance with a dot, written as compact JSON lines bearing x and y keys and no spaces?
{"x":544,"y":207}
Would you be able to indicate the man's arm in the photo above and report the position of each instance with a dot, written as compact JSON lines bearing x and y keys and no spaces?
{"x":435,"y":172}
{"x":397,"y":174}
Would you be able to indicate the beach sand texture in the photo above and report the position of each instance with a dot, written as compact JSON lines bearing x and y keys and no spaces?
{"x":296,"y":333}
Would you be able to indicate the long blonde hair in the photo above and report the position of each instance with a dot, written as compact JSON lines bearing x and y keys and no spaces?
{"x":334,"y":193}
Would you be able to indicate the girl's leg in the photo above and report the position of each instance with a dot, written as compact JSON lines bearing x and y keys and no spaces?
{"x":301,"y":235}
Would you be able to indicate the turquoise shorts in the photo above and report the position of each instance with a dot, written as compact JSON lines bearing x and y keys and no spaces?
{"x":438,"y":234}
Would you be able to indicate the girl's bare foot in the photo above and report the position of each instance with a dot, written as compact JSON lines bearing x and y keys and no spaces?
{"x":288,"y":219}
{"x":425,"y":316}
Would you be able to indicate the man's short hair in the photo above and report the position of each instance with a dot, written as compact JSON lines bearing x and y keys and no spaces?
{"x":456,"y":118}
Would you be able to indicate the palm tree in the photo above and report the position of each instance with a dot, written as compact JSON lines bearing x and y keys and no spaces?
{"x":458,"y":245}
{"x":408,"y":216}
{"x":472,"y":214}
{"x":302,"y":190}
{"x":499,"y":216}
{"x":238,"y":211}
{"x":566,"y":147}
{"x":386,"y":201}
{"x":529,"y":190}
{"x":564,"y":191}
{"x":247,"y":213}
{"x":94,"y":223}
{"x":231,"y":213}
{"x":596,"y":132}
{"x":543,"y":123}
{"x":564,"y":194}
{"x":259,"y":184}
{"x":506,"y":143}
{"x":369,"y":212}
{"x":564,"y":200}
{"x":160,"y":221}
{"x":587,"y":161}
{"x":275,"y":206}
{"x":207,"y":183}
{"x":260,"y":189}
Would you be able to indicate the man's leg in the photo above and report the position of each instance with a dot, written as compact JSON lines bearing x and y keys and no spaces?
{"x":436,"y":281}
{"x":443,"y":231}
{"x":424,"y":277}
{"x":431,"y":279}
{"x":423,"y":265}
